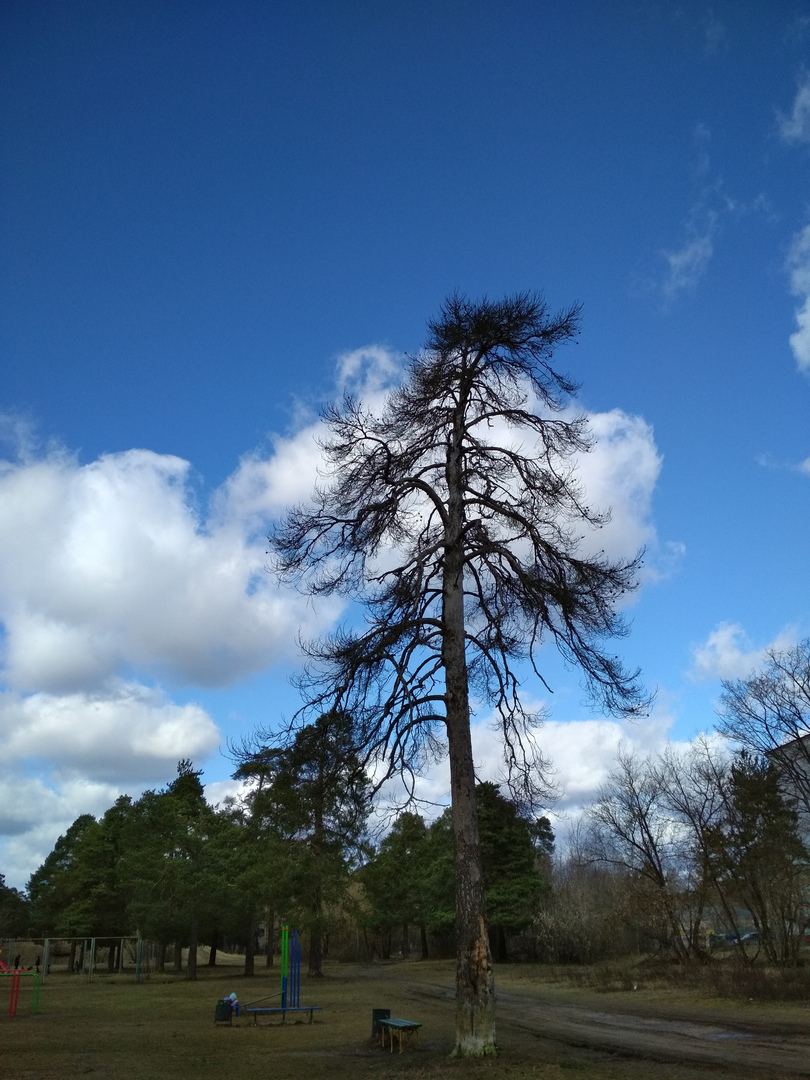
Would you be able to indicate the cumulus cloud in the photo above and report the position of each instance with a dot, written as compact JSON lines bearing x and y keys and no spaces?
{"x":728,"y":653}
{"x":796,"y":127}
{"x":619,"y":475}
{"x":127,"y":734}
{"x":33,"y":815}
{"x":799,"y":270}
{"x":583,"y":753}
{"x":110,"y":565}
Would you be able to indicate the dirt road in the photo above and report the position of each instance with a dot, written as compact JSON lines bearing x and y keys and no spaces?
{"x":745,"y":1047}
{"x":676,"y":1040}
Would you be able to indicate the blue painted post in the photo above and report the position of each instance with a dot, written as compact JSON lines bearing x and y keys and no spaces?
{"x":285,"y":963}
{"x":295,"y":971}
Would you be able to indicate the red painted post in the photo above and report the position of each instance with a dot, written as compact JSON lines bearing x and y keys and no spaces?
{"x":15,"y":993}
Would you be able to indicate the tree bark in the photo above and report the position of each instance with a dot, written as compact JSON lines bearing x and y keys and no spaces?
{"x":475,"y":982}
{"x":316,"y":934}
{"x":316,"y":938}
{"x":250,"y":948}
{"x":270,"y":921}
{"x":423,"y":940}
{"x":194,"y":931}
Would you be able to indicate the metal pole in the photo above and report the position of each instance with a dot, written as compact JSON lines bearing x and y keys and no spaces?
{"x":138,"y":954}
{"x":285,"y":963}
{"x":121,"y":957}
{"x":46,"y":956}
{"x":15,"y":994}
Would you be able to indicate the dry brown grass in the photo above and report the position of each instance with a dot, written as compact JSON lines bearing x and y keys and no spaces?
{"x":111,"y":1028}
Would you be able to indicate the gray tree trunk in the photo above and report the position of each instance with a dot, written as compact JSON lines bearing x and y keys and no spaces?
{"x":475,"y":982}
{"x":250,"y":948}
{"x":191,"y":969}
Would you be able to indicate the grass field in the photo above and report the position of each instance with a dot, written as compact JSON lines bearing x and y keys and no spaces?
{"x":112,"y":1028}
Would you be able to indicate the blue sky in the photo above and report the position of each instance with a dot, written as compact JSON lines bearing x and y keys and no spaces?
{"x":216,"y":216}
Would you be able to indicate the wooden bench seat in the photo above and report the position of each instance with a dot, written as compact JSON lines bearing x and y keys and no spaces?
{"x":278,"y":1009}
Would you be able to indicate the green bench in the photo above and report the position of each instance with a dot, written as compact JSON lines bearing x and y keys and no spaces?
{"x":399,"y":1028}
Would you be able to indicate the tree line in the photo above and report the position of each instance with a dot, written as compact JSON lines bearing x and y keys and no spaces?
{"x":295,"y":848}
{"x":680,"y":854}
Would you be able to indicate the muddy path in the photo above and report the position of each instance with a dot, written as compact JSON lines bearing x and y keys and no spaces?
{"x":720,"y":1041}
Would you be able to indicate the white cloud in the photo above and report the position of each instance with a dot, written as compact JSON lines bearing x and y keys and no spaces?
{"x":582,"y":753}
{"x":727,"y":653}
{"x":220,"y":790}
{"x":799,"y":270}
{"x":620,"y":475}
{"x":368,"y":372}
{"x":127,"y":734}
{"x":796,"y":127}
{"x":109,"y":566}
{"x":687,"y":265}
{"x":33,"y":815}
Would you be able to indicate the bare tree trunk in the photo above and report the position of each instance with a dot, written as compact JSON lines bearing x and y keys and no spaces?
{"x":423,"y":940}
{"x":194,"y":931}
{"x":212,"y":952}
{"x":406,"y":942}
{"x":250,"y":948}
{"x":316,"y":937}
{"x":316,"y":934}
{"x":270,"y":921}
{"x":178,"y":956}
{"x":475,"y":982}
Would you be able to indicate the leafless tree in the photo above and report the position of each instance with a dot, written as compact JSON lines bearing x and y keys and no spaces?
{"x":769,"y":714}
{"x":633,"y":830}
{"x":454,"y":516}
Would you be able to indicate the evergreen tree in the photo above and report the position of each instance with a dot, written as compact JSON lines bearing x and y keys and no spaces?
{"x":52,"y":888}
{"x":513,"y":882}
{"x":15,"y":913}
{"x":394,"y":884}
{"x":314,"y":794}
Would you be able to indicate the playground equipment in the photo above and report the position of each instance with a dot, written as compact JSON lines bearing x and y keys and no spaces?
{"x":16,"y":975}
{"x":290,"y":995}
{"x":290,"y":969}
